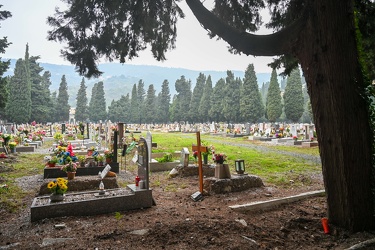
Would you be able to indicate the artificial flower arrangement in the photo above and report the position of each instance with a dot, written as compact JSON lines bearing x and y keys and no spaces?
{"x":70,"y":167}
{"x":219,"y":158}
{"x":58,"y":136}
{"x":195,"y":154}
{"x":108,"y":154}
{"x":12,"y":144}
{"x":58,"y":186}
{"x":295,"y":137}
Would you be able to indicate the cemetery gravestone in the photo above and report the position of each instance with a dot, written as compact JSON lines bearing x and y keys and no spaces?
{"x":143,"y":162}
{"x":149,"y":144}
{"x":184,"y":160}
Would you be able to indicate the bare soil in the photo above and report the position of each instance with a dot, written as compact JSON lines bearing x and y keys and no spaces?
{"x":179,"y":222}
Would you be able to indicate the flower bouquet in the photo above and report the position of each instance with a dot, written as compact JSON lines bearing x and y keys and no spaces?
{"x":12,"y":144}
{"x":219,"y":158}
{"x":70,"y":167}
{"x":58,"y":186}
{"x":108,"y":154}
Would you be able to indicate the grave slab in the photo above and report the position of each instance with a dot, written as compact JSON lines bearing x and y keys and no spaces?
{"x":57,"y":172}
{"x":91,"y":203}
{"x":236,"y":183}
{"x":309,"y":144}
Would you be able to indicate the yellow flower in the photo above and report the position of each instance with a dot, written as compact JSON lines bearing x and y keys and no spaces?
{"x":51,"y":185}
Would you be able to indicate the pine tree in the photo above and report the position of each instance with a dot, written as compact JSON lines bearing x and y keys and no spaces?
{"x":82,"y":108}
{"x":63,"y":107}
{"x":273,"y":103}
{"x":251,"y":105}
{"x":293,"y":96}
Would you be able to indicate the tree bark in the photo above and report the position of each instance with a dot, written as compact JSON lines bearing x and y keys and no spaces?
{"x":326,"y":48}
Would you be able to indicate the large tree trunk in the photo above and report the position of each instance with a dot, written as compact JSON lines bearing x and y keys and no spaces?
{"x":330,"y":63}
{"x":323,"y":40}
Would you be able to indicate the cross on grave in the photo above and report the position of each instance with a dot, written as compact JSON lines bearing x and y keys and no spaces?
{"x":200,"y":149}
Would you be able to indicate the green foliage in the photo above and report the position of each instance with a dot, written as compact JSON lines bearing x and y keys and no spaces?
{"x":293,"y":97}
{"x":273,"y":104}
{"x":251,"y":105}
{"x":81,"y":104}
{"x":181,"y":103}
{"x":231,"y":98}
{"x":196,"y":99}
{"x":150,"y":107}
{"x":62,"y":107}
{"x":205,"y":103}
{"x":18,"y":108}
{"x":217,"y":97}
{"x":167,"y":157}
{"x":97,"y":106}
{"x":164,"y":99}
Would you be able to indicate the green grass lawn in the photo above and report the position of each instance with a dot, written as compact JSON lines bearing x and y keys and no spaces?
{"x":271,"y":163}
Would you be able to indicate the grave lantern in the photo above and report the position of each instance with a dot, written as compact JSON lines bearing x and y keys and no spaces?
{"x":240,"y":166}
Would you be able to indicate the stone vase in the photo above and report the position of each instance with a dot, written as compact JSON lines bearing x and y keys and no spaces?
{"x":56,"y":197}
{"x":222,"y":171}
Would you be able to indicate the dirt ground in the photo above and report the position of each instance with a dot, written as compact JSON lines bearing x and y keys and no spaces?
{"x":179,"y":222}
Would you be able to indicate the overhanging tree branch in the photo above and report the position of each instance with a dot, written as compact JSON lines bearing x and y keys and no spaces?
{"x":278,"y":43}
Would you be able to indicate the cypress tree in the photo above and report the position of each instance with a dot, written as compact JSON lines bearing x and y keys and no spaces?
{"x":205,"y":103}
{"x":273,"y":103}
{"x":293,"y":96}
{"x":218,"y":93}
{"x":231,"y":97}
{"x":97,"y":106}
{"x":4,"y":65}
{"x":63,"y":107}
{"x":134,"y":107}
{"x":46,"y":83}
{"x":141,"y":99}
{"x":150,"y":105}
{"x":164,"y":99}
{"x":251,"y":105}
{"x":182,"y":101}
{"x":82,"y":108}
{"x":196,"y":99}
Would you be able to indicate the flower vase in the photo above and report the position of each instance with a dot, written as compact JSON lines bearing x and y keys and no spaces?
{"x":71,"y":175}
{"x":205,"y":159}
{"x":108,"y":160}
{"x":222,"y":171}
{"x":51,"y":165}
{"x":56,"y":197}
{"x":90,"y":152}
{"x":13,"y":150}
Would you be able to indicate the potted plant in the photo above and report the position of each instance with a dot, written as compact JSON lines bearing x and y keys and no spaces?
{"x":58,"y":136}
{"x":81,"y":160}
{"x":70,"y":170}
{"x":90,"y":151}
{"x":108,"y":156}
{"x":58,"y":188}
{"x":12,"y":146}
{"x":52,"y":162}
{"x":100,"y":160}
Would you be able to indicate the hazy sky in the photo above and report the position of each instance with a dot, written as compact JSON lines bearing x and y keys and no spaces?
{"x":195,"y":50}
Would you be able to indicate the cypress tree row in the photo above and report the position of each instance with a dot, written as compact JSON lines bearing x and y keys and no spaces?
{"x":150,"y":105}
{"x":97,"y":106}
{"x":134,"y":107}
{"x":164,"y":99}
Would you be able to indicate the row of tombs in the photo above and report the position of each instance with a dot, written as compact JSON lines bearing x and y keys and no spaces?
{"x":95,"y":190}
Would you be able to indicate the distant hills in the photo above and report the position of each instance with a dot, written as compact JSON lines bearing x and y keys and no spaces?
{"x":119,"y":78}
